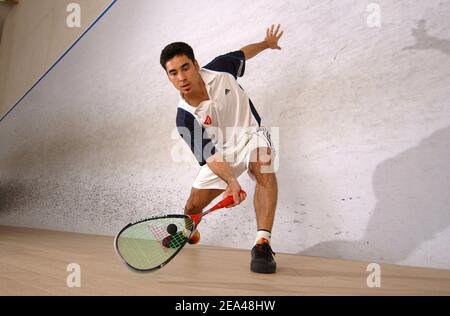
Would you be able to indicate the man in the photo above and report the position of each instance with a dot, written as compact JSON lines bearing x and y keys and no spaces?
{"x":219,"y":122}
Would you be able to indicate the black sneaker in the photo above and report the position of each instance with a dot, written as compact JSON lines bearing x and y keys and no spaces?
{"x":262,"y":259}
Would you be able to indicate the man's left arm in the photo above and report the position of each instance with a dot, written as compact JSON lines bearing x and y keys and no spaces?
{"x":270,"y":41}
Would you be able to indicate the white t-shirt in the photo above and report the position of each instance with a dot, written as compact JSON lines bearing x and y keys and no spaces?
{"x":224,"y":119}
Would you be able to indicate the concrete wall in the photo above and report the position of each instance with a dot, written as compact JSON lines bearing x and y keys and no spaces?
{"x":5,"y":7}
{"x":363,"y":113}
{"x":35,"y":34}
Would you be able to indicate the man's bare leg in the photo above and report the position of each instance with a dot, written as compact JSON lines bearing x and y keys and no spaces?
{"x":266,"y":190}
{"x":265,"y":202}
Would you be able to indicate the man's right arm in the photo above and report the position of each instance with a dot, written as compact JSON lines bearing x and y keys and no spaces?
{"x":223,"y":170}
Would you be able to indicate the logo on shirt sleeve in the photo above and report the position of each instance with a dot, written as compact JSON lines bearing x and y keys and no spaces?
{"x":208,"y":120}
{"x":227,"y":91}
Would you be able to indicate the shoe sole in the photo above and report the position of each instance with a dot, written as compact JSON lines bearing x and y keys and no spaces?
{"x":259,"y":267}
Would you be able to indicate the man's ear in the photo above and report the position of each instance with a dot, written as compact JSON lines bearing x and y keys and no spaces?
{"x":196,"y":64}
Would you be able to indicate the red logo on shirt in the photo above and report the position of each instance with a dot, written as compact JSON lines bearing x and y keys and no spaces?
{"x":208,"y":120}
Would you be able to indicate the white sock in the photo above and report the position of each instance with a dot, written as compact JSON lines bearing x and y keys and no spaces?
{"x":262,"y":233}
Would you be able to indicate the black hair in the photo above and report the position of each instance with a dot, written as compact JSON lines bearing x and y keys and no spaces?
{"x":176,"y":49}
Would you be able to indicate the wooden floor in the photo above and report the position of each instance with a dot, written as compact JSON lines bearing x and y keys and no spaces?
{"x":34,"y":262}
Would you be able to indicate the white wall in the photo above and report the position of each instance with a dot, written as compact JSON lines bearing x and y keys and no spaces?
{"x":363,"y":113}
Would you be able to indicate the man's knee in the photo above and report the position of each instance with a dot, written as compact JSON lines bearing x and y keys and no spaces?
{"x":261,"y":166}
{"x":265,"y":179}
{"x":192,"y":206}
{"x":199,"y":199}
{"x":262,"y":156}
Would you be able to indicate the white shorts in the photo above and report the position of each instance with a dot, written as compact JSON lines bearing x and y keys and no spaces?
{"x":238,"y":158}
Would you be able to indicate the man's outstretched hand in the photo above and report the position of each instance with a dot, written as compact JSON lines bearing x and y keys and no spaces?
{"x":273,"y":35}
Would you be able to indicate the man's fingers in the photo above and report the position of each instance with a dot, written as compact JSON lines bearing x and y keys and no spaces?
{"x":273,"y":36}
{"x":279,"y":36}
{"x":237,"y":195}
{"x":243,"y":196}
{"x":277,"y":29}
{"x":236,"y":198}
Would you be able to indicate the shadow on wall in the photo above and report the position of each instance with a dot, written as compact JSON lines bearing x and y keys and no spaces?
{"x":412,"y":206}
{"x":16,"y":196}
{"x":425,"y":41}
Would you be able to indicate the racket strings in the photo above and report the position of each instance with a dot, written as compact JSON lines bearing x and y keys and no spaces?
{"x":147,"y":245}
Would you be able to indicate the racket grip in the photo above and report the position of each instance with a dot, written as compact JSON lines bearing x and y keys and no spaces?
{"x":226,"y":201}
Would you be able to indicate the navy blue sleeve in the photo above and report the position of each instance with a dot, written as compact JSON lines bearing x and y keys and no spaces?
{"x":193,"y":134}
{"x":233,"y":63}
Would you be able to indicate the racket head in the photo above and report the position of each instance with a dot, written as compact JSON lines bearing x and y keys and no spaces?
{"x":147,"y":245}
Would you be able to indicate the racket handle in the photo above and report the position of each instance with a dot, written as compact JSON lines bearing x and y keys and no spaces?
{"x":226,"y":201}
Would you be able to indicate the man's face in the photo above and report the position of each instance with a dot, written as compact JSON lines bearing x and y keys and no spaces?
{"x":183,"y":73}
